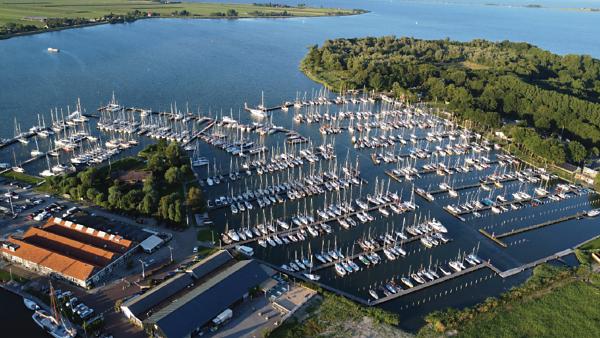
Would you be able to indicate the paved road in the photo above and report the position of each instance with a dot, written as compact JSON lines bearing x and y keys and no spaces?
{"x":247,"y":322}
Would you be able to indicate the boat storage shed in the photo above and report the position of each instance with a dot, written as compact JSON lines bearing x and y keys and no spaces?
{"x":209,"y":264}
{"x":136,"y":308}
{"x":151,"y":243}
{"x":193,"y":311}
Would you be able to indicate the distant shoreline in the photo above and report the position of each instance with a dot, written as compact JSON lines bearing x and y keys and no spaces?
{"x":129,"y":17}
{"x":537,"y":6}
{"x":49,"y":30}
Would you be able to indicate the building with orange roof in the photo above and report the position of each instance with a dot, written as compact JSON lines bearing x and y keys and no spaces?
{"x":79,"y":254}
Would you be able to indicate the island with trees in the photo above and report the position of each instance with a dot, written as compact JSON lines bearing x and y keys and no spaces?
{"x":159,"y":182}
{"x":549,"y":104}
{"x":28,"y":17}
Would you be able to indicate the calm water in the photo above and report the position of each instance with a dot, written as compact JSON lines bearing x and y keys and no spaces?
{"x":16,"y":318}
{"x":218,"y":65}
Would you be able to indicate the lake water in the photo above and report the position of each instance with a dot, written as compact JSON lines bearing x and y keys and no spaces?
{"x":220,"y":64}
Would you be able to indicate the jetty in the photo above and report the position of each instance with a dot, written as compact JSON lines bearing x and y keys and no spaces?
{"x":519,"y":269}
{"x":379,"y":248}
{"x":293,"y":230}
{"x":419,"y":287}
{"x":578,"y":215}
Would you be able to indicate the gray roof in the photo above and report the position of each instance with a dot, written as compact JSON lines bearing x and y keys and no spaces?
{"x":151,"y":242}
{"x":202,"y":304}
{"x":209,"y":264}
{"x":141,"y":304}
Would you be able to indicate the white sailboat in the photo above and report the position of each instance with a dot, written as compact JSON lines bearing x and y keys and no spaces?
{"x":36,"y":152}
{"x":259,"y":111}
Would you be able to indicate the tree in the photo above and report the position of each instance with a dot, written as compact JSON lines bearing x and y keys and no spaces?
{"x":232,"y":12}
{"x":91,"y":194}
{"x":577,"y":152}
{"x":172,"y":175}
{"x":194,"y":200}
{"x":174,"y":154}
{"x":114,"y":196}
{"x":131,"y":199}
{"x":149,"y":203}
{"x":149,"y":184}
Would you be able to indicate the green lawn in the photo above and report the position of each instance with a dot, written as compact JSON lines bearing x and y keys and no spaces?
{"x":205,"y":235}
{"x":554,"y":302}
{"x":584,"y":252}
{"x":571,"y":310}
{"x":16,"y":11}
{"x":22,"y":177}
{"x":5,"y":276}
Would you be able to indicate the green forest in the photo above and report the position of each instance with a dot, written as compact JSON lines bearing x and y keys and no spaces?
{"x":152,"y":184}
{"x":555,"y":98}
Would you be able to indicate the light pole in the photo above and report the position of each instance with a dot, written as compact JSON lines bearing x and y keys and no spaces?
{"x":143,"y":272}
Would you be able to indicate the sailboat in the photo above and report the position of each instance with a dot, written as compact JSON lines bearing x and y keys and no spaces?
{"x":259,"y":111}
{"x":47,"y":172}
{"x":36,"y":152}
{"x":17,"y":168}
{"x":21,"y":137}
{"x":53,"y":323}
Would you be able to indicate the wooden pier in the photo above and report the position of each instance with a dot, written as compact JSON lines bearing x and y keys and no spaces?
{"x":431,"y":171}
{"x":541,"y":225}
{"x":491,"y":237}
{"x":300,"y":276}
{"x":269,"y":109}
{"x":379,"y":248}
{"x":25,"y":135}
{"x":474,"y":185}
{"x":519,"y":269}
{"x":293,"y":230}
{"x":419,"y":287}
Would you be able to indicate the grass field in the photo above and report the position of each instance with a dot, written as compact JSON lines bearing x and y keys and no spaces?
{"x":22,"y":11}
{"x":584,"y":252}
{"x":22,"y":177}
{"x":571,"y":308}
{"x":554,"y":302}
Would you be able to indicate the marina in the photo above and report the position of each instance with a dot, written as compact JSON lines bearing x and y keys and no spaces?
{"x":346,"y":198}
{"x":230,"y":92}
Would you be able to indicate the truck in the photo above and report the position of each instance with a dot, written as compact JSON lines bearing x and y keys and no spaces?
{"x":223,"y":317}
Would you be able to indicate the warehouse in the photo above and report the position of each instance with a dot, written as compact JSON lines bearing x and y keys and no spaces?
{"x":194,"y":311}
{"x":76,"y":253}
{"x":138,"y":308}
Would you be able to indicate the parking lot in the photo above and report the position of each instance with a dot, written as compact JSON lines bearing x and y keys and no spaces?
{"x":33,"y":208}
{"x":257,"y":316}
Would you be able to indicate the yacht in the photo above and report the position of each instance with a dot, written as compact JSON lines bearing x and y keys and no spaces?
{"x":340,"y":270}
{"x":312,"y":277}
{"x":593,"y":213}
{"x":455,"y":266}
{"x":31,"y":305}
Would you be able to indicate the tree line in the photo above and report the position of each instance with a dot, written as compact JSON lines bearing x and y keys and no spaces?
{"x":485,"y":82}
{"x":165,"y":168}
